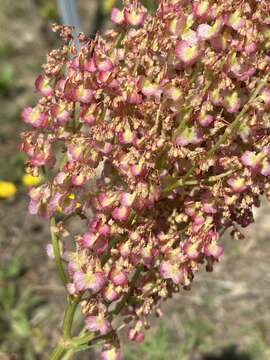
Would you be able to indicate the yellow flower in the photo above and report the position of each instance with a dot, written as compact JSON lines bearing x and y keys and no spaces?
{"x":71,"y":196}
{"x":107,"y":6}
{"x":7,"y":189}
{"x":30,"y":180}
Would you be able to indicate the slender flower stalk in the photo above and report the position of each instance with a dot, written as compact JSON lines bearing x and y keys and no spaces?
{"x":56,"y":252}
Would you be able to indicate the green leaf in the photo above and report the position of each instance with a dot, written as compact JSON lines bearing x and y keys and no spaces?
{"x":20,"y":324}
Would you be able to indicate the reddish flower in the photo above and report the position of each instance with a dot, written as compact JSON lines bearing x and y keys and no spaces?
{"x":235,"y":20}
{"x":171,"y":271}
{"x":151,"y":89}
{"x":127,"y":137}
{"x":111,"y":354}
{"x":60,"y":112}
{"x":110,"y":293}
{"x":117,"y":16}
{"x":74,"y":151}
{"x":34,"y":117}
{"x":191,"y":249}
{"x":97,"y":323}
{"x":207,"y":32}
{"x":134,"y":17}
{"x":136,"y":335}
{"x":83,"y":95}
{"x":42,"y":85}
{"x":265,"y":96}
{"x":107,"y":200}
{"x":212,"y":248}
{"x":187,"y":53}
{"x":127,"y":199}
{"x":189,"y":136}
{"x":265,"y":171}
{"x":232,"y":102}
{"x":172,"y":92}
{"x":201,"y":8}
{"x":138,"y":169}
{"x":119,"y":277}
{"x":251,"y":160}
{"x":238,"y":184}
{"x":205,"y":119}
{"x":121,"y":213}
{"x":89,"y":280}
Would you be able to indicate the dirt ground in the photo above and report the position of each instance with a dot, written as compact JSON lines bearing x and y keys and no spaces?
{"x":226,"y":315}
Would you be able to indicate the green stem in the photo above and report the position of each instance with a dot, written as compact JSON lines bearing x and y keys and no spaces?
{"x":57,"y":353}
{"x":68,"y":318}
{"x":183,"y":121}
{"x":60,"y":350}
{"x":68,"y":354}
{"x":212,"y":179}
{"x":84,"y":337}
{"x":178,"y":184}
{"x":57,"y":253}
{"x":68,"y":345}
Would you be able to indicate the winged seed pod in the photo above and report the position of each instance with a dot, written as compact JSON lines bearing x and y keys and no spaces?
{"x":161,"y":128}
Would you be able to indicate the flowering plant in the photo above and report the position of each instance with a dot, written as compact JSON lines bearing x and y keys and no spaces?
{"x":157,"y":136}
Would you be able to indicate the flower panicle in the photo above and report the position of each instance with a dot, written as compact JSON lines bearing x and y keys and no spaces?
{"x":160,"y":127}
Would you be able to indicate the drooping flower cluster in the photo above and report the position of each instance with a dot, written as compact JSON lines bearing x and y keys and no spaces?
{"x":157,"y":134}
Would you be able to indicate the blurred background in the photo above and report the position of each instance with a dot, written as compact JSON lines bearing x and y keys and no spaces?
{"x":226,"y":315}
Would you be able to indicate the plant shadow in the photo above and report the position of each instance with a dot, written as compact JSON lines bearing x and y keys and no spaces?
{"x":229,"y":353}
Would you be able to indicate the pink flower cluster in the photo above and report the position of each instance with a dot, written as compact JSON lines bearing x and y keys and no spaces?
{"x":157,"y":135}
